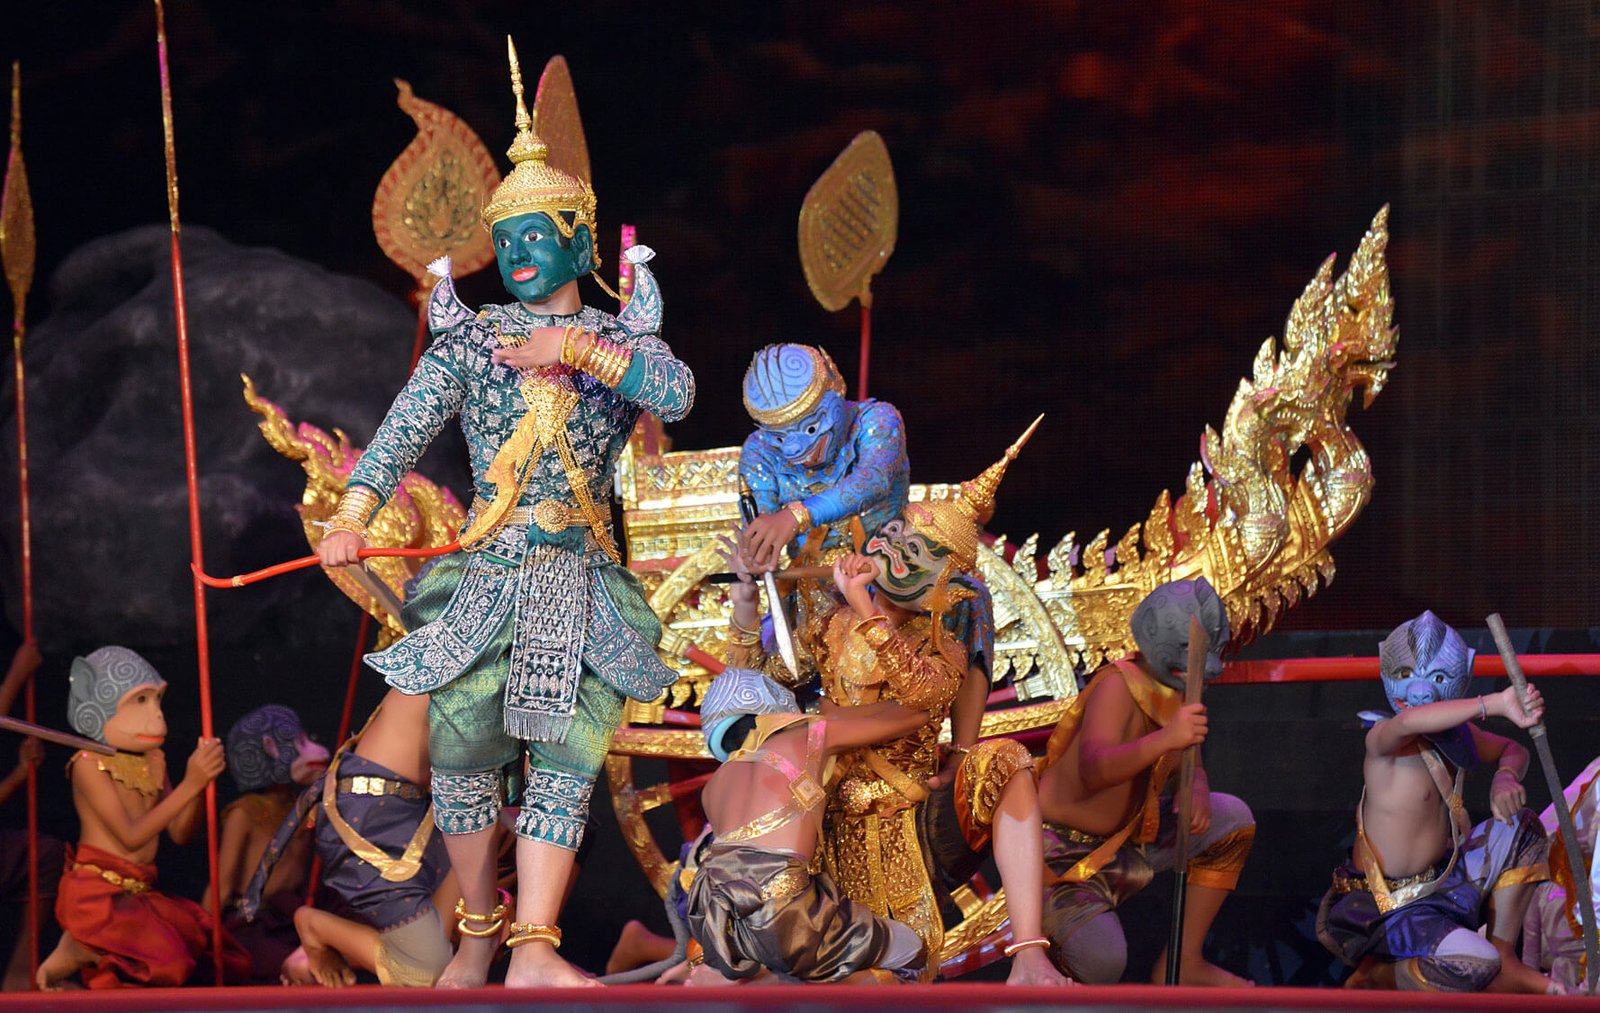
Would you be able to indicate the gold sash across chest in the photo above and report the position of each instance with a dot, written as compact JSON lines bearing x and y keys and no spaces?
{"x":551,"y":396}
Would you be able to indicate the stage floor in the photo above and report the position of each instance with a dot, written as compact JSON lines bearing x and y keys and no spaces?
{"x":801,"y":999}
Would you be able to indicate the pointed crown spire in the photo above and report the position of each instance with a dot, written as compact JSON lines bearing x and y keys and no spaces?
{"x":954,"y":522}
{"x":533,"y":184}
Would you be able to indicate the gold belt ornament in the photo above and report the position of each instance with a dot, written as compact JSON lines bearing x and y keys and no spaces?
{"x":784,"y":885}
{"x":550,"y":515}
{"x":127,"y":883}
{"x":365,"y":784}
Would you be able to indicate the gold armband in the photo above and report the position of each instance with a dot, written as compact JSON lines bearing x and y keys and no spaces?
{"x":801,"y":514}
{"x":606,"y":361}
{"x":875,"y":630}
{"x":568,"y":356}
{"x":355,"y":508}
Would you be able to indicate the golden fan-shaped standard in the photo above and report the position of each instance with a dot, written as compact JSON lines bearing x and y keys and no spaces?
{"x":849,"y":222}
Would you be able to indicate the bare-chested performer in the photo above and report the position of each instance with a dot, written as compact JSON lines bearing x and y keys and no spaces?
{"x":1406,"y":907}
{"x":383,"y":866}
{"x":116,"y":928}
{"x":754,"y":907}
{"x":1107,"y":827}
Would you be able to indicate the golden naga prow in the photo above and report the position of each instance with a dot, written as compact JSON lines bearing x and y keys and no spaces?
{"x":421,"y":514}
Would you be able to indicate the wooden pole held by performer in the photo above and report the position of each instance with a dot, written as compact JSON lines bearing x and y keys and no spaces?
{"x":1194,"y":681}
{"x":1581,"y":893}
{"x":191,"y":469}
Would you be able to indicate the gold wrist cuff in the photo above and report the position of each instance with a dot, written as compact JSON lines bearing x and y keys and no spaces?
{"x":801,"y":514}
{"x":355,"y":508}
{"x":607,"y":361}
{"x":738,"y":636}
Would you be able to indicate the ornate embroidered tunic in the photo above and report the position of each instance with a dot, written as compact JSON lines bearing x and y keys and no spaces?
{"x":564,"y":599}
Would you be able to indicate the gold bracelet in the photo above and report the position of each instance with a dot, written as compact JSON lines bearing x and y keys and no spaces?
{"x":875,"y":630}
{"x":1037,"y":942}
{"x":566,"y":357}
{"x":607,"y":361}
{"x":1508,"y":770}
{"x":738,"y":636}
{"x":580,"y":360}
{"x":355,"y":507}
{"x":528,"y":932}
{"x":801,"y":514}
{"x":491,"y":923}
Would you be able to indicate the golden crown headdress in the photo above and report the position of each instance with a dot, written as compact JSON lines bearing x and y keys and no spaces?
{"x":533,"y":184}
{"x":954,"y":522}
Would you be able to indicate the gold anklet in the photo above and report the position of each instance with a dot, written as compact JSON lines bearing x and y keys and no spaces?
{"x":528,"y":932}
{"x":491,"y":923}
{"x":1037,"y":942}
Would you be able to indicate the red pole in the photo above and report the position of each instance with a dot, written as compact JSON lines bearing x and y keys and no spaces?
{"x":192,"y":475}
{"x":345,"y":717}
{"x":866,"y":351}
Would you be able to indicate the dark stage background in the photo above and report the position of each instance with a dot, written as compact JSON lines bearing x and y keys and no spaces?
{"x":1105,"y":210}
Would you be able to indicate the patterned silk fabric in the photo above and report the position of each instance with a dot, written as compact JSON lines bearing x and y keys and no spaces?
{"x":525,"y":572}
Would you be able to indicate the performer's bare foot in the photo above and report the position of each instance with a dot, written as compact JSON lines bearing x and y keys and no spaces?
{"x":469,"y":968}
{"x":1515,"y":976}
{"x":636,"y":947}
{"x":706,"y":976}
{"x":537,"y":965}
{"x":296,"y":969}
{"x":1033,"y":967}
{"x":68,"y":958}
{"x":326,"y":964}
{"x":1196,"y":971}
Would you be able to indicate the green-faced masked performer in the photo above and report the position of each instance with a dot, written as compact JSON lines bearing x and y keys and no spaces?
{"x":531,"y":638}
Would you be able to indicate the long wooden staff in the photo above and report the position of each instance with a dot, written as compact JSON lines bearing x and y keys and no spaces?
{"x":192,"y":474}
{"x":1569,"y":834}
{"x":17,"y":250}
{"x":1194,"y":681}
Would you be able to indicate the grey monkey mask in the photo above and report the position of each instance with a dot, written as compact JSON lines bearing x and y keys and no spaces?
{"x":1161,"y":628}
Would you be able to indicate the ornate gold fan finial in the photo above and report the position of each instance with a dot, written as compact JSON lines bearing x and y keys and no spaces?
{"x":533,"y":185}
{"x":849,"y":222}
{"x":560,"y":126}
{"x":426,"y":205}
{"x":16,"y":206}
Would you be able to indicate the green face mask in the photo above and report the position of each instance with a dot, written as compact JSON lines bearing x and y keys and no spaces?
{"x":533,"y":263}
{"x":909,"y":562}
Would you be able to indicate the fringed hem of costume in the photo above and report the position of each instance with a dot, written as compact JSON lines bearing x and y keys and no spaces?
{"x":1219,"y":865}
